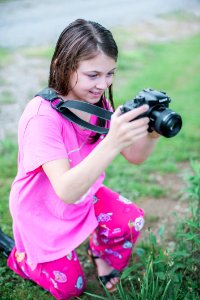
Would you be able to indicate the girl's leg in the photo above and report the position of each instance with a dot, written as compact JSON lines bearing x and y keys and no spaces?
{"x":63,"y":278}
{"x":120,"y":222}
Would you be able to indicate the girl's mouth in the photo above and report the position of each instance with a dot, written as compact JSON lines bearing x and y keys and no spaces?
{"x":96,"y":94}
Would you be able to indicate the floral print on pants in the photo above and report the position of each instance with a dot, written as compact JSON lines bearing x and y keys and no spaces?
{"x":120,"y":222}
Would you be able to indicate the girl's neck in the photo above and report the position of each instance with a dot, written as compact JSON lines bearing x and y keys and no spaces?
{"x":81,"y":114}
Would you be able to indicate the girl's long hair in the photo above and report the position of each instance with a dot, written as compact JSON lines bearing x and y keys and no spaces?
{"x":80,"y":40}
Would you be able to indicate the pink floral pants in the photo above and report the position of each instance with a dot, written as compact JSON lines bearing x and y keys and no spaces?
{"x":120,"y":222}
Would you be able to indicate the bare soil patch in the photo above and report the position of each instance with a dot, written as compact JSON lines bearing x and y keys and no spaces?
{"x":165,"y":212}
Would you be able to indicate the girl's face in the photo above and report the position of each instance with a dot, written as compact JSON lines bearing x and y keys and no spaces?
{"x":92,"y":78}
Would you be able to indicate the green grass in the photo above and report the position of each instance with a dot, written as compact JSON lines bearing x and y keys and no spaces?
{"x":161,"y":271}
{"x":173,"y":67}
{"x":6,"y":98}
{"x":44,"y":52}
{"x":5,"y":56}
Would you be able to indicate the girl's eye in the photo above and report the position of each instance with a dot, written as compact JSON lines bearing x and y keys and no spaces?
{"x":92,"y":75}
{"x":110,"y":74}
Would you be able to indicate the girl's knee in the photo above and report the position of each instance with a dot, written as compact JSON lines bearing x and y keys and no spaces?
{"x":133,"y":216}
{"x":66,"y":278}
{"x":63,"y":278}
{"x":136,"y":220}
{"x":71,"y":289}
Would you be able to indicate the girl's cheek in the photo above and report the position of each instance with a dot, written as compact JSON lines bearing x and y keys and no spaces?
{"x":110,"y":81}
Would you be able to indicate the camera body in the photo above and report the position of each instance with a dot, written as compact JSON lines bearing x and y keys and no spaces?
{"x":162,"y":119}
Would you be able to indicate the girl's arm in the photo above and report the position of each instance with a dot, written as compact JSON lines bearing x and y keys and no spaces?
{"x":71,"y":184}
{"x":139,"y":152}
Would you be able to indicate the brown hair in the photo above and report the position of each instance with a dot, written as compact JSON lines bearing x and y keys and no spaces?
{"x":80,"y":40}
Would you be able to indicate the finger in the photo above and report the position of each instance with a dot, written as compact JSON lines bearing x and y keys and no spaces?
{"x":134,"y":113}
{"x":139,"y":122}
{"x":139,"y":135}
{"x":138,"y":130}
{"x":135,"y":138}
{"x":117,"y":112}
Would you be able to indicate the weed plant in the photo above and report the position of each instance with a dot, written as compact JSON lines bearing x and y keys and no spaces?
{"x":161,"y":272}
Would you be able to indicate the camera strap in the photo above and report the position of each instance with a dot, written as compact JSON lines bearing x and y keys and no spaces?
{"x":63,"y":107}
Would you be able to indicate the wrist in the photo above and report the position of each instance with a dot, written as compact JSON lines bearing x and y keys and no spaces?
{"x":110,"y":147}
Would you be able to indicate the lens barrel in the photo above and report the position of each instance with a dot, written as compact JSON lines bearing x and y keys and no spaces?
{"x":166,"y":122}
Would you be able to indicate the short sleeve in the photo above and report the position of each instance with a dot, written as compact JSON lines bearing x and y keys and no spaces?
{"x":42,"y":142}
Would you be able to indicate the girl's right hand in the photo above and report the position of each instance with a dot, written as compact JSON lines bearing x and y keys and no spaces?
{"x":124,"y":130}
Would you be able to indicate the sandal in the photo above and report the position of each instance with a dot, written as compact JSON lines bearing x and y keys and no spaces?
{"x":6,"y":244}
{"x":106,"y":278}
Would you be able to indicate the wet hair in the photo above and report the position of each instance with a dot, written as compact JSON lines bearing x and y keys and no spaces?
{"x":80,"y":40}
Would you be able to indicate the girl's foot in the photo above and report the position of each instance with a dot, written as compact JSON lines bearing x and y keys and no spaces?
{"x":106,"y":274}
{"x":103,"y":270}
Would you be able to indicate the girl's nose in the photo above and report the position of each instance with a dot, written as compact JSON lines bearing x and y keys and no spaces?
{"x":102,"y":84}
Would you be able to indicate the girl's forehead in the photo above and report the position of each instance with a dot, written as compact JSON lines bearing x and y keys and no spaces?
{"x":99,"y":62}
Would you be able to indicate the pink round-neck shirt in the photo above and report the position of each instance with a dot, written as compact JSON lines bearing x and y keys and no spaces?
{"x":44,"y":226}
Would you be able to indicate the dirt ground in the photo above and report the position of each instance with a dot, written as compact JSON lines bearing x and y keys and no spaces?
{"x":163,"y":213}
{"x":23,"y":77}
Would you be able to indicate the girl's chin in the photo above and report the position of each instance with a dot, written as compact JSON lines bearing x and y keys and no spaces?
{"x":93,"y":100}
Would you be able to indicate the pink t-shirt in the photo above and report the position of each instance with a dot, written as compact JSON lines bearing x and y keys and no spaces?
{"x":44,"y":226}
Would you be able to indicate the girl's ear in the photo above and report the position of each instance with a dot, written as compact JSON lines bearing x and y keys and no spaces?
{"x":55,"y":62}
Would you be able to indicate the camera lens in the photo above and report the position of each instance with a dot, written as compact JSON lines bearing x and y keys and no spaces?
{"x":167,"y":122}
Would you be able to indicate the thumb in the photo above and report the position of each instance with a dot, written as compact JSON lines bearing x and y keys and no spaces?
{"x":117,"y":112}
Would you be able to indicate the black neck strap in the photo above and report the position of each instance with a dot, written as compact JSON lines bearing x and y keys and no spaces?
{"x":63,"y":108}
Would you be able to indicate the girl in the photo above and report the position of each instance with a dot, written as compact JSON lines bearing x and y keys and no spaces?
{"x":58,"y":199}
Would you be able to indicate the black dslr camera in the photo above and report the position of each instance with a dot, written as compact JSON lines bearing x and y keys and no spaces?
{"x":162,"y":119}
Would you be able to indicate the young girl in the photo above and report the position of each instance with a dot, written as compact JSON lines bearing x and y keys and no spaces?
{"x":58,"y":199}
